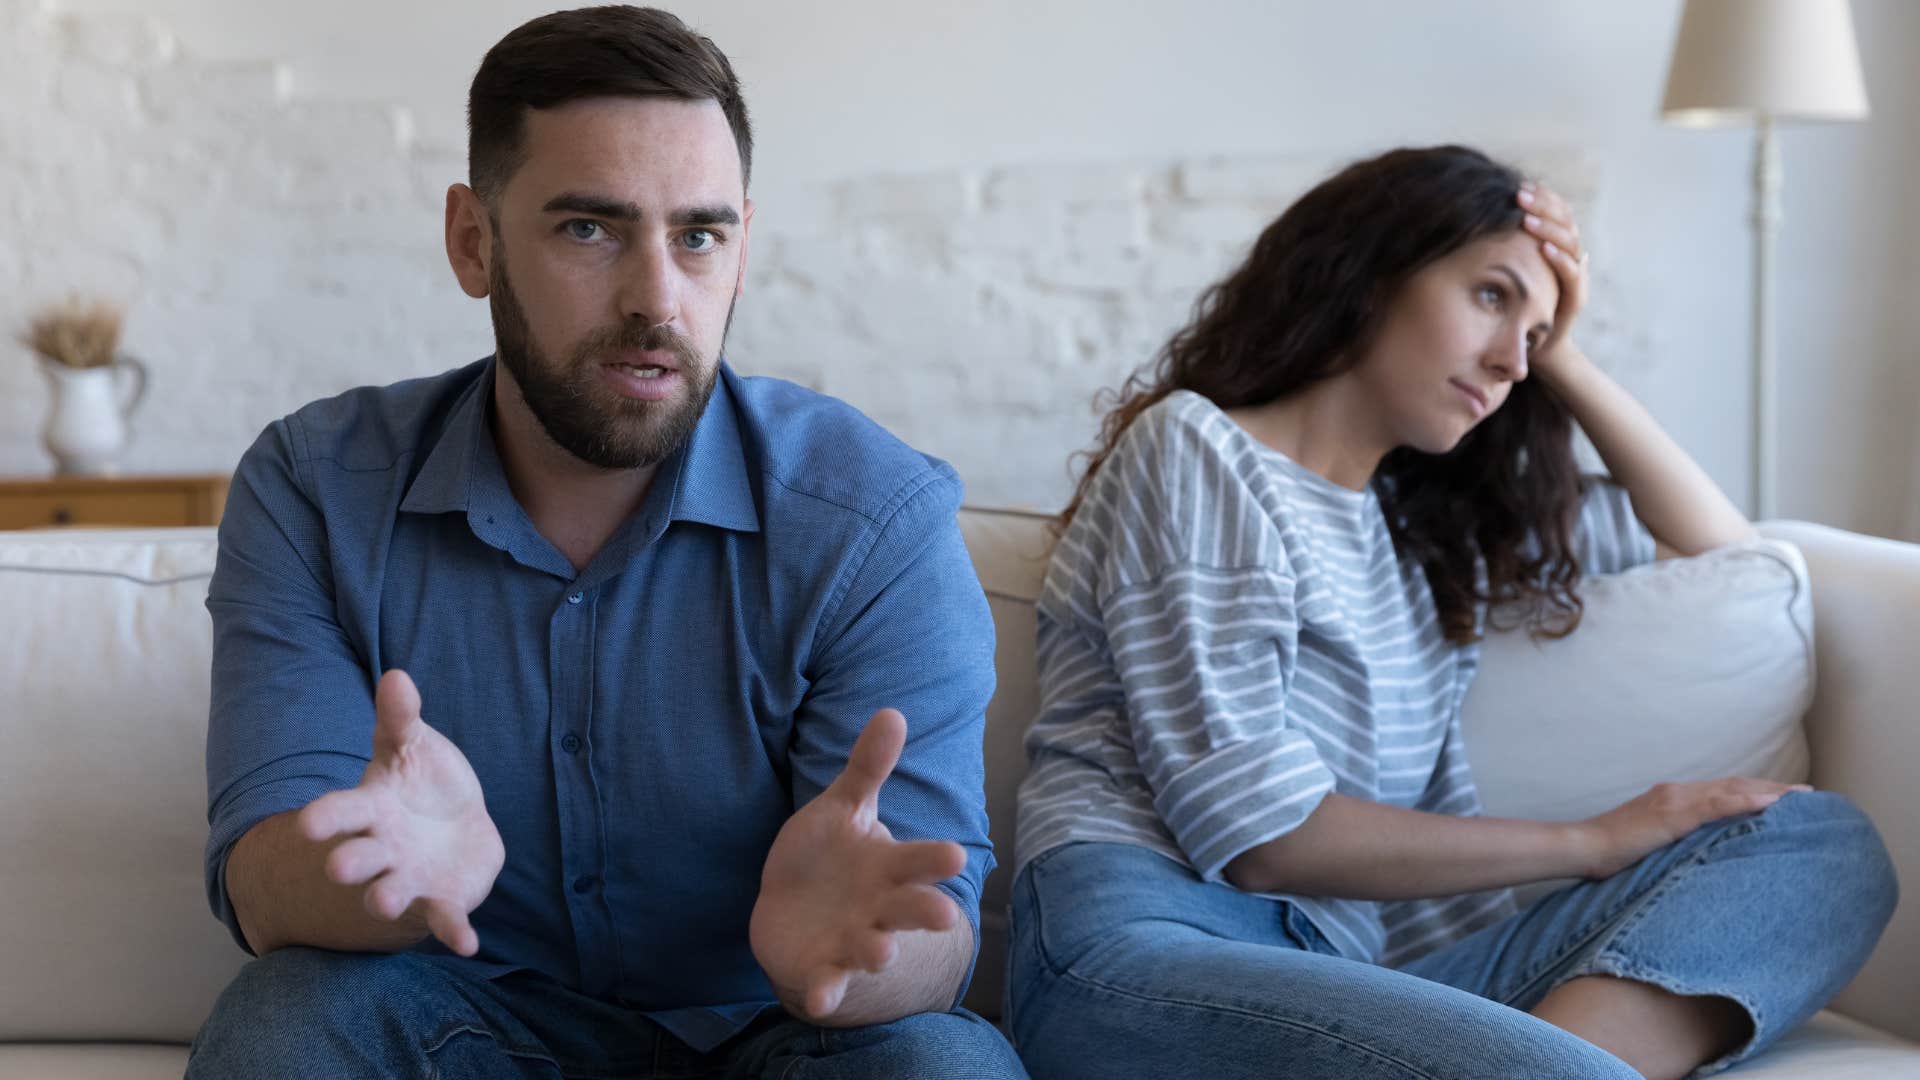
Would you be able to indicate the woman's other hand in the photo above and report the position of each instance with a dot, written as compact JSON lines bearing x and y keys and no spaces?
{"x":1622,"y":836}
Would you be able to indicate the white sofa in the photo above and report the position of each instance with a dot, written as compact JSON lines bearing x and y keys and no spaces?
{"x":109,"y":959}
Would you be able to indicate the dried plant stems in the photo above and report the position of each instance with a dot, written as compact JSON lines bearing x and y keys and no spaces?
{"x":79,"y":334}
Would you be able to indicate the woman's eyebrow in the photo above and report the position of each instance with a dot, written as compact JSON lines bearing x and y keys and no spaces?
{"x":1518,"y":285}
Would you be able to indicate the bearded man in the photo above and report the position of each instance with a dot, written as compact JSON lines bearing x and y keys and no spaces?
{"x":592,"y":710}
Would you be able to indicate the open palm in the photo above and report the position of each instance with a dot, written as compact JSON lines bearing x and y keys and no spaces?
{"x":418,"y":834}
{"x":837,"y":887}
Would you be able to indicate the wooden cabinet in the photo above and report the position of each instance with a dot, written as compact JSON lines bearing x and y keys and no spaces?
{"x":112,"y":501}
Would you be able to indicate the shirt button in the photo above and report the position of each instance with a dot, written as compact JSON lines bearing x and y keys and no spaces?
{"x":585,"y":883}
{"x":571,"y":744}
{"x":574,"y":599}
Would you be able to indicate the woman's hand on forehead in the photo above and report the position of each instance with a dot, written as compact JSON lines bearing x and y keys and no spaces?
{"x":1550,"y":221}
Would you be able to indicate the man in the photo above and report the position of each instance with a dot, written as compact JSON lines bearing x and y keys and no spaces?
{"x":544,"y":736}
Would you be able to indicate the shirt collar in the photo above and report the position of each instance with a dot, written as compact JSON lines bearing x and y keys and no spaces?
{"x":709,"y":476}
{"x":715,"y":487}
{"x":445,"y":480}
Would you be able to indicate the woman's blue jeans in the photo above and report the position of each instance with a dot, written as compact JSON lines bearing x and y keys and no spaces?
{"x":1124,"y":963}
{"x":298,"y":1013}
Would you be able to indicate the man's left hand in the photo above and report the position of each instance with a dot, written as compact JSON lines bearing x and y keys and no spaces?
{"x":837,"y":888}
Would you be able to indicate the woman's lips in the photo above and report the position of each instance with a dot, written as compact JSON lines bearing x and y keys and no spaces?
{"x":1473,"y":394}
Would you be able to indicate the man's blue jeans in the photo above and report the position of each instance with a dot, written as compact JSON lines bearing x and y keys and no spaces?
{"x":299,"y":1013}
{"x":1126,"y":964}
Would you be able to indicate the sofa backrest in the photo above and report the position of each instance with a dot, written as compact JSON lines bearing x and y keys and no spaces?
{"x":1010,"y":550}
{"x":104,"y":927}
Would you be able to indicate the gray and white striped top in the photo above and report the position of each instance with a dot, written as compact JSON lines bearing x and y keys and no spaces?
{"x":1226,"y":636}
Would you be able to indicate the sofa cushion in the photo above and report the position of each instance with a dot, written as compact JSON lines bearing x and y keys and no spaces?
{"x":91,"y":1061}
{"x":1828,"y":1047}
{"x":1685,"y":669}
{"x":107,"y":934}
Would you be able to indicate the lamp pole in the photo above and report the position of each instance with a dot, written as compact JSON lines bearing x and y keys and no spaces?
{"x":1766,"y":61}
{"x":1767,"y":176}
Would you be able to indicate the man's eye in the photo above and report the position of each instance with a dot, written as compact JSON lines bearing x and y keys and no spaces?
{"x":700,"y":240}
{"x":582,"y":229}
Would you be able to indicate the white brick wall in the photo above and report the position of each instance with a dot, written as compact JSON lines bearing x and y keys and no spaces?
{"x":274,"y":250}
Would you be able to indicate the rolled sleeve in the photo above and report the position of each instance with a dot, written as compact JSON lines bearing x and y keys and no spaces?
{"x":911,"y":632}
{"x":292,"y":703}
{"x":1206,"y":656}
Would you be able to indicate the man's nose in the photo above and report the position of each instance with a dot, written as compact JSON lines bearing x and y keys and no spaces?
{"x":649,"y":285}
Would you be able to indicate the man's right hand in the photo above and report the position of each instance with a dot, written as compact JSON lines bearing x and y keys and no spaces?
{"x":418,"y":834}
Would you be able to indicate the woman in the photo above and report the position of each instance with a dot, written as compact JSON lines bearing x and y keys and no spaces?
{"x":1249,"y":840}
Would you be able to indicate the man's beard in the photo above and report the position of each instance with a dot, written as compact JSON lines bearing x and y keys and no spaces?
{"x":578,"y":411}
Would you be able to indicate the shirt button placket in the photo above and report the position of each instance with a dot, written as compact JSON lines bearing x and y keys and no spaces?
{"x":581,"y":841}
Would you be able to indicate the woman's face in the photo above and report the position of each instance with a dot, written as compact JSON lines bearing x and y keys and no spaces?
{"x":1456,"y":339}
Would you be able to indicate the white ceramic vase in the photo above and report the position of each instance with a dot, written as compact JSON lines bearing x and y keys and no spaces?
{"x":92,"y":408}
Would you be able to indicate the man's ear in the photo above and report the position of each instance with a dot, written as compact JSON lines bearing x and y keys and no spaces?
{"x":469,"y":240}
{"x":746,"y":227}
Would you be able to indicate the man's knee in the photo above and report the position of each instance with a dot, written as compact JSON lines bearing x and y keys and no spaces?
{"x":300,"y":1004}
{"x":949,"y":1044}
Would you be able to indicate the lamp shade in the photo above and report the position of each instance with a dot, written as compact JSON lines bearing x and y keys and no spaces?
{"x":1737,"y":60}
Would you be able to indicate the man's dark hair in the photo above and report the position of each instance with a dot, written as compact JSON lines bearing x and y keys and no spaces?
{"x":612,"y":51}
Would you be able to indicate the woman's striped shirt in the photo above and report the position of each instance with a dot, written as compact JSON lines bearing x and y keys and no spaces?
{"x":1225,"y":637}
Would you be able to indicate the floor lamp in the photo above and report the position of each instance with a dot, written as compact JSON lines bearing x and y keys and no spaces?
{"x":1764,"y":61}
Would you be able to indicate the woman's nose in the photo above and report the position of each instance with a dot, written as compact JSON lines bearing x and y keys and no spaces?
{"x":1507,"y":355}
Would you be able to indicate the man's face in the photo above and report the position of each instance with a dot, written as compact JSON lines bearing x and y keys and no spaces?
{"x":619,"y":247}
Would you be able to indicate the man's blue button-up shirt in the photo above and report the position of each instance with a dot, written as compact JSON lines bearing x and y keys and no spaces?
{"x":641,"y":728}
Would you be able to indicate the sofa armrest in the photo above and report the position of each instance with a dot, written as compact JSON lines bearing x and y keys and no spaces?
{"x":1864,"y":730}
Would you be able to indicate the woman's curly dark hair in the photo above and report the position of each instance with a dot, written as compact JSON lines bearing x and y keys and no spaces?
{"x":1305,"y":305}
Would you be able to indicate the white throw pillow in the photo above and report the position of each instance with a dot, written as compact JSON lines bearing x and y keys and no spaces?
{"x":104,"y":927}
{"x":1684,"y":669}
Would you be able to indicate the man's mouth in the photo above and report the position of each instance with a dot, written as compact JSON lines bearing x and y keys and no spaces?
{"x":641,"y":371}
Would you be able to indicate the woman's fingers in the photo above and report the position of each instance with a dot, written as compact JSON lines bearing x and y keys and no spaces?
{"x":1728,"y":803}
{"x":1546,"y":203}
{"x":1744,"y":795}
{"x":1564,"y":263}
{"x":1759,"y":786}
{"x":1565,"y":237}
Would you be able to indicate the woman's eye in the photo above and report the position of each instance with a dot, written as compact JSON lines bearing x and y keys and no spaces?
{"x":582,"y":229}
{"x":700,"y":240}
{"x":1492,"y":295}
